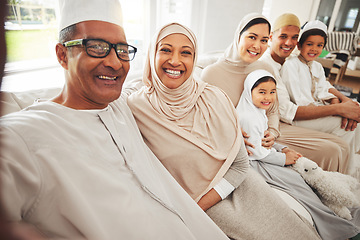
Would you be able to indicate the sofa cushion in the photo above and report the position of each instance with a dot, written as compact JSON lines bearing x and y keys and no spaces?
{"x":15,"y":101}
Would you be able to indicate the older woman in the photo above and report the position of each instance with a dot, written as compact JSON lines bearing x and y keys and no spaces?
{"x":193,"y":129}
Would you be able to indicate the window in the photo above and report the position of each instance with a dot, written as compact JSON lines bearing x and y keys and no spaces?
{"x":340,"y":15}
{"x":351,"y":17}
{"x":347,"y":19}
{"x":31,"y":35}
{"x":31,"y":30}
{"x":325,"y":11}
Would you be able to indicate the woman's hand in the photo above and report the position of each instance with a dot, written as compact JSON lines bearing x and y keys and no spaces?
{"x":209,"y":199}
{"x":247,"y":143}
{"x":268,"y":140}
{"x":291,"y":156}
{"x":23,"y":231}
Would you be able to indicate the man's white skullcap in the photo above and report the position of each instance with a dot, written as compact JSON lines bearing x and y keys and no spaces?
{"x":75,"y":11}
{"x":315,"y":25}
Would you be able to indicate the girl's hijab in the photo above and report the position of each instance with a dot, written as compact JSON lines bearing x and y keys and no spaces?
{"x":192,"y":129}
{"x":253,"y":120}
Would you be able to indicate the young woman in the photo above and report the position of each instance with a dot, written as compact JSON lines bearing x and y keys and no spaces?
{"x":258,"y":95}
{"x":193,"y":129}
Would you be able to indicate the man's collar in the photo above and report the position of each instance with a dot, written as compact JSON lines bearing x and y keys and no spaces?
{"x":267,"y":55}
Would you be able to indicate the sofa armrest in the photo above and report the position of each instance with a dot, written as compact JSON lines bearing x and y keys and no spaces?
{"x":15,"y":101}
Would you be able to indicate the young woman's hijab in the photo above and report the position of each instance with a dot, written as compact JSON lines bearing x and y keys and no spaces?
{"x":231,"y":54}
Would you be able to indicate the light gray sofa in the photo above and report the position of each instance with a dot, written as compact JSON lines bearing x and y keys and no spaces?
{"x":15,"y":101}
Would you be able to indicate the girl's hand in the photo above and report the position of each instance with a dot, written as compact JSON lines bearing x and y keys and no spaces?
{"x":291,"y":156}
{"x":268,"y":140}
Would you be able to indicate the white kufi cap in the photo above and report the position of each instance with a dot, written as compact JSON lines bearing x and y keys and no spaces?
{"x":75,"y":11}
{"x":315,"y":25}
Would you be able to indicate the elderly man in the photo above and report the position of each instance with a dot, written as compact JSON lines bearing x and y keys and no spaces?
{"x":76,"y":167}
{"x":329,"y":151}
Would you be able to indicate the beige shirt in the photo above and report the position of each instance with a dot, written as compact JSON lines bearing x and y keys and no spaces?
{"x":286,"y":106}
{"x":88,"y":175}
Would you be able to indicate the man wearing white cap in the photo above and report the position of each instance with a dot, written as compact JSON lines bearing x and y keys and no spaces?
{"x":310,"y":101}
{"x":76,"y":167}
{"x":329,"y":151}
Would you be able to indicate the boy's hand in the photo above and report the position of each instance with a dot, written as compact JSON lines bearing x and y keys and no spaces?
{"x":334,"y":101}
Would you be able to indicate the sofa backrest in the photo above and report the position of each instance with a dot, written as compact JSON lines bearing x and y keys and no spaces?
{"x":15,"y":101}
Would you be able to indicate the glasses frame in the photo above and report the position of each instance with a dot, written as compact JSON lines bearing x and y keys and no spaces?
{"x":83,"y":42}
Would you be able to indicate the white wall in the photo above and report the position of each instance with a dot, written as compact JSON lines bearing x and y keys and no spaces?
{"x":305,"y":9}
{"x":214,"y":22}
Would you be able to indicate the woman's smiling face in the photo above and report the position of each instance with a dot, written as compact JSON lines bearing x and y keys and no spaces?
{"x":174,"y":60}
{"x":253,"y":42}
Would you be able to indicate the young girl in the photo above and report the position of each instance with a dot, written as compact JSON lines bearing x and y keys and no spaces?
{"x":254,"y":102}
{"x":312,"y":101}
{"x":258,"y":95}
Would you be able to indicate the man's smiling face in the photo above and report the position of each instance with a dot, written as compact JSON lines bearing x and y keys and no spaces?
{"x":283,"y":42}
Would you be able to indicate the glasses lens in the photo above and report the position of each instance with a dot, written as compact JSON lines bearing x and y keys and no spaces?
{"x":125,"y":52}
{"x":97,"y":48}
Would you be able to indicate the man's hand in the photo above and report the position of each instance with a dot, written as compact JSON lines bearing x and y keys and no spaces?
{"x":350,"y":110}
{"x":348,"y":124}
{"x":247,"y":143}
{"x":268,"y":140}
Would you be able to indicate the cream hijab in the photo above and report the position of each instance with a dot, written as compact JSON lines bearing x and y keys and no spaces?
{"x":231,"y":54}
{"x":192,"y":129}
{"x":253,"y":120}
{"x":230,"y":71}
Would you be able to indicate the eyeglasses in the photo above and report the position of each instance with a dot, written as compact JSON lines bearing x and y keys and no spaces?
{"x":99,"y":48}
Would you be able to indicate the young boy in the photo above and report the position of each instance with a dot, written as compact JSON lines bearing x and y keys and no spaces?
{"x":315,"y":103}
